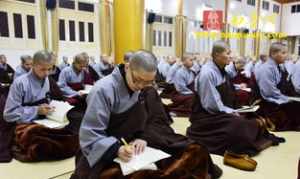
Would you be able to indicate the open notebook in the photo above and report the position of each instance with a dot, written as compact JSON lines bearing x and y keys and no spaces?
{"x":57,"y":118}
{"x":247,"y":109}
{"x":144,"y":160}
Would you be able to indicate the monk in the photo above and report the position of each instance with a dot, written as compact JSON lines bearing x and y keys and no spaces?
{"x":72,"y":79}
{"x":184,"y":85}
{"x":104,"y":67}
{"x":275,"y":87}
{"x":6,"y":74}
{"x":26,"y":65}
{"x":215,"y":121}
{"x":118,"y":109}
{"x":28,"y":100}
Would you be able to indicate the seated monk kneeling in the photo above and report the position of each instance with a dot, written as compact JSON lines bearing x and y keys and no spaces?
{"x":116,"y":108}
{"x":275,"y":87}
{"x":73,"y":78}
{"x":28,"y":100}
{"x":216,"y":124}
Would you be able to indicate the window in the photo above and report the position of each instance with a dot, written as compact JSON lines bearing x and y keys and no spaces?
{"x":72,"y":31}
{"x":68,"y":4}
{"x":165,"y":38}
{"x":154,"y":37}
{"x":294,"y":7}
{"x":158,"y":18}
{"x":265,"y":5}
{"x":276,"y":9}
{"x":30,"y":1}
{"x":4,"y":31}
{"x":168,"y":20}
{"x":91,"y":32}
{"x":62,"y":30}
{"x":159,"y":38}
{"x":81,"y":31}
{"x":82,"y":6}
{"x":18,"y":25}
{"x":170,"y":39}
{"x":298,"y":8}
{"x":251,"y":2}
{"x":30,"y":27}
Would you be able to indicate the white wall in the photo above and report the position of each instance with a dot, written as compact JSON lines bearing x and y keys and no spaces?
{"x":237,"y":8}
{"x":290,"y":22}
{"x":13,"y":47}
{"x":71,"y":48}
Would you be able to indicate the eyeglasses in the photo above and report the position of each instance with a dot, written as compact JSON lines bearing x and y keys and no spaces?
{"x":137,"y":80}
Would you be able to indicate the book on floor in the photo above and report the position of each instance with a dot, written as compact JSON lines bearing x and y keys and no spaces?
{"x":57,"y":118}
{"x":144,"y":160}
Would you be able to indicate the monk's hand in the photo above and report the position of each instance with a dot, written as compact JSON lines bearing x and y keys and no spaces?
{"x":81,"y":93}
{"x":236,"y":114}
{"x":44,"y":109}
{"x":243,"y":85}
{"x":126,"y":153}
{"x":139,"y":146}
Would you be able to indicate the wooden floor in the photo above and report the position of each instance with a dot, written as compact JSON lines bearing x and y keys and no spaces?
{"x":274,"y":163}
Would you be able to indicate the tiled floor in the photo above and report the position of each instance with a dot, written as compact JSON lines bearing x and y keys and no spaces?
{"x":274,"y":163}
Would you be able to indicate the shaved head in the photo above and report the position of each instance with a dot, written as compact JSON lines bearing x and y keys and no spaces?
{"x":43,"y":56}
{"x":143,"y":61}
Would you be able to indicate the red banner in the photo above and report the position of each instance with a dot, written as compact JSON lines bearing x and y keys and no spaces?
{"x":213,"y":20}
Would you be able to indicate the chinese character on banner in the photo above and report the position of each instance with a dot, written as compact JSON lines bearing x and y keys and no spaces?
{"x":213,"y":20}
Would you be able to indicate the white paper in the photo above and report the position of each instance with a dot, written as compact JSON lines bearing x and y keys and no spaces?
{"x":248,"y":109}
{"x":60,"y":111}
{"x":149,"y":156}
{"x":238,"y":87}
{"x":51,"y":124}
{"x":294,"y":98}
{"x":87,"y":89}
{"x":129,"y":170}
{"x":57,"y":118}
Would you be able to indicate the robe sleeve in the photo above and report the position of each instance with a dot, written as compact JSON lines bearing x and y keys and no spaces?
{"x":210,"y":98}
{"x":268,"y":87}
{"x":14,"y":111}
{"x":296,"y":79}
{"x":17,"y":73}
{"x":62,"y":83}
{"x":231,"y":71}
{"x":181,"y":84}
{"x":94,"y":140}
{"x":97,"y":68}
{"x":171,"y":73}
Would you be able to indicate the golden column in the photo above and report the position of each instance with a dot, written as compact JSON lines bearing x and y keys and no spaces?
{"x":44,"y":24}
{"x":257,"y":39}
{"x":128,"y":26}
{"x":180,"y":30}
{"x":54,"y":31}
{"x":105,"y":27}
{"x":242,"y":44}
{"x":226,"y":25}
